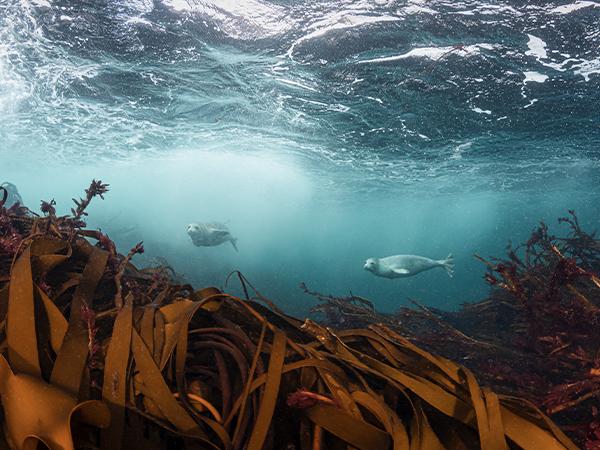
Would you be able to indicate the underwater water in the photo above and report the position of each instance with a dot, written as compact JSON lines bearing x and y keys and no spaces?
{"x":321,"y":132}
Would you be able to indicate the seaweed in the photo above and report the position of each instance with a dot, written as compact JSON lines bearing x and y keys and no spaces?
{"x":97,"y":353}
{"x":536,"y":336}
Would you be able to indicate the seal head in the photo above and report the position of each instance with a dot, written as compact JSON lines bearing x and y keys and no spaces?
{"x":371,"y":265}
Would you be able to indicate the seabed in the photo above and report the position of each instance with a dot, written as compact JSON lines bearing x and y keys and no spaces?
{"x":97,"y":353}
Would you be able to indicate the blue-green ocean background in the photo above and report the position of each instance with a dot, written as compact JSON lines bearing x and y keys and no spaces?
{"x":322,"y":132}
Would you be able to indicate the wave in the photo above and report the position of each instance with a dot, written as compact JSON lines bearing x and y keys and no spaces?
{"x":572,"y":7}
{"x":238,"y":19}
{"x":361,"y":93}
{"x":338,"y":21}
{"x":434,"y":53}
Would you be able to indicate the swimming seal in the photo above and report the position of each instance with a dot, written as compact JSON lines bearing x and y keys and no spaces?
{"x":210,"y":234}
{"x":402,"y":266}
{"x":13,"y":195}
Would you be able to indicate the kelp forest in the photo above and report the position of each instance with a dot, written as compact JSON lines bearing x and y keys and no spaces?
{"x":100,"y":354}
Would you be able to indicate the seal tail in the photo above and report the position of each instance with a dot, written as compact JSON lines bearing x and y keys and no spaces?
{"x":234,"y":243}
{"x":448,"y":264}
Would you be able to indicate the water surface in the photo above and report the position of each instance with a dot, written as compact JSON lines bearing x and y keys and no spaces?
{"x":322,"y":132}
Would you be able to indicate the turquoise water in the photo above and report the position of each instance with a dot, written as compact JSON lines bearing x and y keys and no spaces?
{"x":322,"y":133}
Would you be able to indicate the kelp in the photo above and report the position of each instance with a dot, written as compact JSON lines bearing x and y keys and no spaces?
{"x":536,"y":336}
{"x":97,"y":353}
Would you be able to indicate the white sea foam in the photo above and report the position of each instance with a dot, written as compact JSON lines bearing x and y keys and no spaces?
{"x":570,"y":7}
{"x":585,"y":68}
{"x":328,"y":106}
{"x":296,"y":84}
{"x":459,"y":150}
{"x":40,"y":3}
{"x":375,"y":99}
{"x":431,"y":53}
{"x":140,"y":21}
{"x":241,"y":19}
{"x":534,"y":77}
{"x":531,"y":103}
{"x":416,"y":9}
{"x":340,"y":21}
{"x":537,"y":47}
{"x":482,"y":111}
{"x":489,"y":9}
{"x":485,"y":9}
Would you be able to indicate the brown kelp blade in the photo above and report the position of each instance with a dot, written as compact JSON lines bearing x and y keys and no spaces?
{"x":89,"y":336}
{"x":36,"y":411}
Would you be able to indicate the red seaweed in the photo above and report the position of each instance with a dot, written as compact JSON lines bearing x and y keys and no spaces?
{"x":536,"y":336}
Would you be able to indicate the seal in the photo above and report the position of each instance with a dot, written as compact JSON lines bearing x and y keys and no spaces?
{"x":210,"y":234}
{"x":13,"y":195}
{"x":402,"y":266}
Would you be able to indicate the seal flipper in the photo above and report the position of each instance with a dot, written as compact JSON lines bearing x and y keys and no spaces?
{"x":220,"y":233}
{"x":401,"y":271}
{"x":448,"y":264}
{"x":234,"y":243}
